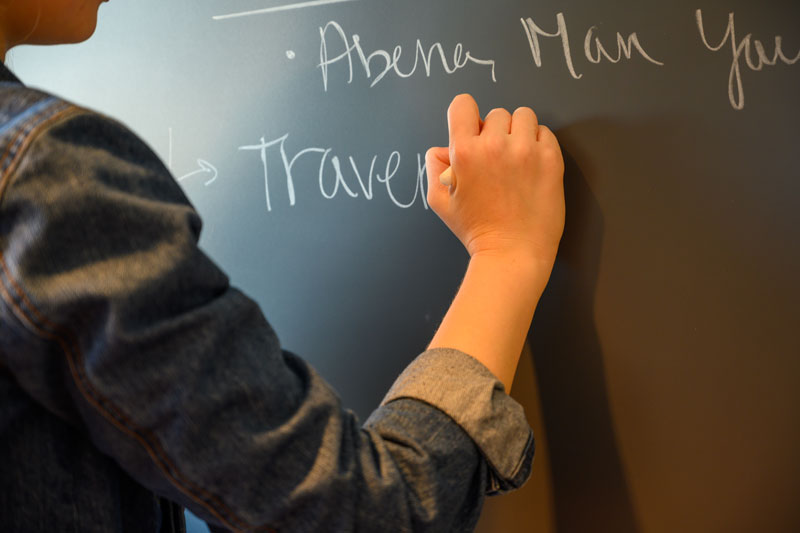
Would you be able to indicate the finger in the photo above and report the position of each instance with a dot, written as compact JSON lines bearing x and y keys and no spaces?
{"x":463,"y":118}
{"x":437,"y":160}
{"x":553,"y":153}
{"x":525,"y":122}
{"x":498,"y":122}
{"x":546,"y":135}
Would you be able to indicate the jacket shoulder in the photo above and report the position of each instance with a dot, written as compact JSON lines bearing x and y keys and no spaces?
{"x":35,"y":125}
{"x":23,"y":112}
{"x":18,"y":103}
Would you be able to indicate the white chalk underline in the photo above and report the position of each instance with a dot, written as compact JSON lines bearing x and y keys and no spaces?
{"x":278,"y":8}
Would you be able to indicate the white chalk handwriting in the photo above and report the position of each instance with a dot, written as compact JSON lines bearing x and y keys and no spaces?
{"x":593,"y":48}
{"x":275,"y":9}
{"x":204,"y":167}
{"x":332,"y":178}
{"x":744,"y":48}
{"x":344,"y":56}
{"x":378,"y":64}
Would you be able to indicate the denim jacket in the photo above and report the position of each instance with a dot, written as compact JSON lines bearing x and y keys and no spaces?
{"x":135,"y":381}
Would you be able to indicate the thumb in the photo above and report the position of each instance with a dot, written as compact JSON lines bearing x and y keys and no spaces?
{"x":437,"y":160}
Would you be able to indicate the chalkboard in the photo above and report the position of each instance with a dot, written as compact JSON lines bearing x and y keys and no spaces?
{"x":663,"y":363}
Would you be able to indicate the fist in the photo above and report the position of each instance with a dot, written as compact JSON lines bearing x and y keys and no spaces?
{"x":507,"y":190}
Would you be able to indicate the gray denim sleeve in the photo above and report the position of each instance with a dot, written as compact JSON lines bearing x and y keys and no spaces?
{"x":464,"y":389}
{"x":114,"y":320}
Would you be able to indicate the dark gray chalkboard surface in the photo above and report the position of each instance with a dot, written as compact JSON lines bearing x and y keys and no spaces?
{"x":663,"y":368}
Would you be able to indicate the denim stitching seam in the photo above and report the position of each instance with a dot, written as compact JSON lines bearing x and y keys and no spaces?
{"x":25,"y":136}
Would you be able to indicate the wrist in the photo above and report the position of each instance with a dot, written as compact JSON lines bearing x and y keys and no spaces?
{"x":492,"y":312}
{"x":527,"y":270}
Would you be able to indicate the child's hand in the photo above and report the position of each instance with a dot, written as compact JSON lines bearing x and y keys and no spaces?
{"x":507,"y":195}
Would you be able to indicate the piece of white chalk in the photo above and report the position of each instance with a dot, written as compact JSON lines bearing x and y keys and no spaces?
{"x":446,"y":177}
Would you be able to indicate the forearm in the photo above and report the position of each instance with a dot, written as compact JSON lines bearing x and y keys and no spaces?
{"x":490,"y":316}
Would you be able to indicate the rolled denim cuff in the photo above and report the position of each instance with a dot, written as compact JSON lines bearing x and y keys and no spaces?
{"x":464,"y":389}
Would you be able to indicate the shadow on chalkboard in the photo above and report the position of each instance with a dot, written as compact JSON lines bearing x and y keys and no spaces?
{"x":590,"y":492}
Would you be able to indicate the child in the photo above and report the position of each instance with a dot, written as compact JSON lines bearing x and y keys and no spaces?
{"x":135,"y":381}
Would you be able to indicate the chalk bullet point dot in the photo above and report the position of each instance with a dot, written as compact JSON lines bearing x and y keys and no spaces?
{"x":290,"y":54}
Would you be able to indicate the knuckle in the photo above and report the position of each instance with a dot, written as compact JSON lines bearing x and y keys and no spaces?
{"x":551,"y":156}
{"x":522,"y":150}
{"x":546,"y":134}
{"x":495,"y":146}
{"x":550,"y":150}
{"x":525,"y":111}
{"x":460,"y":99}
{"x":498,"y":111}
